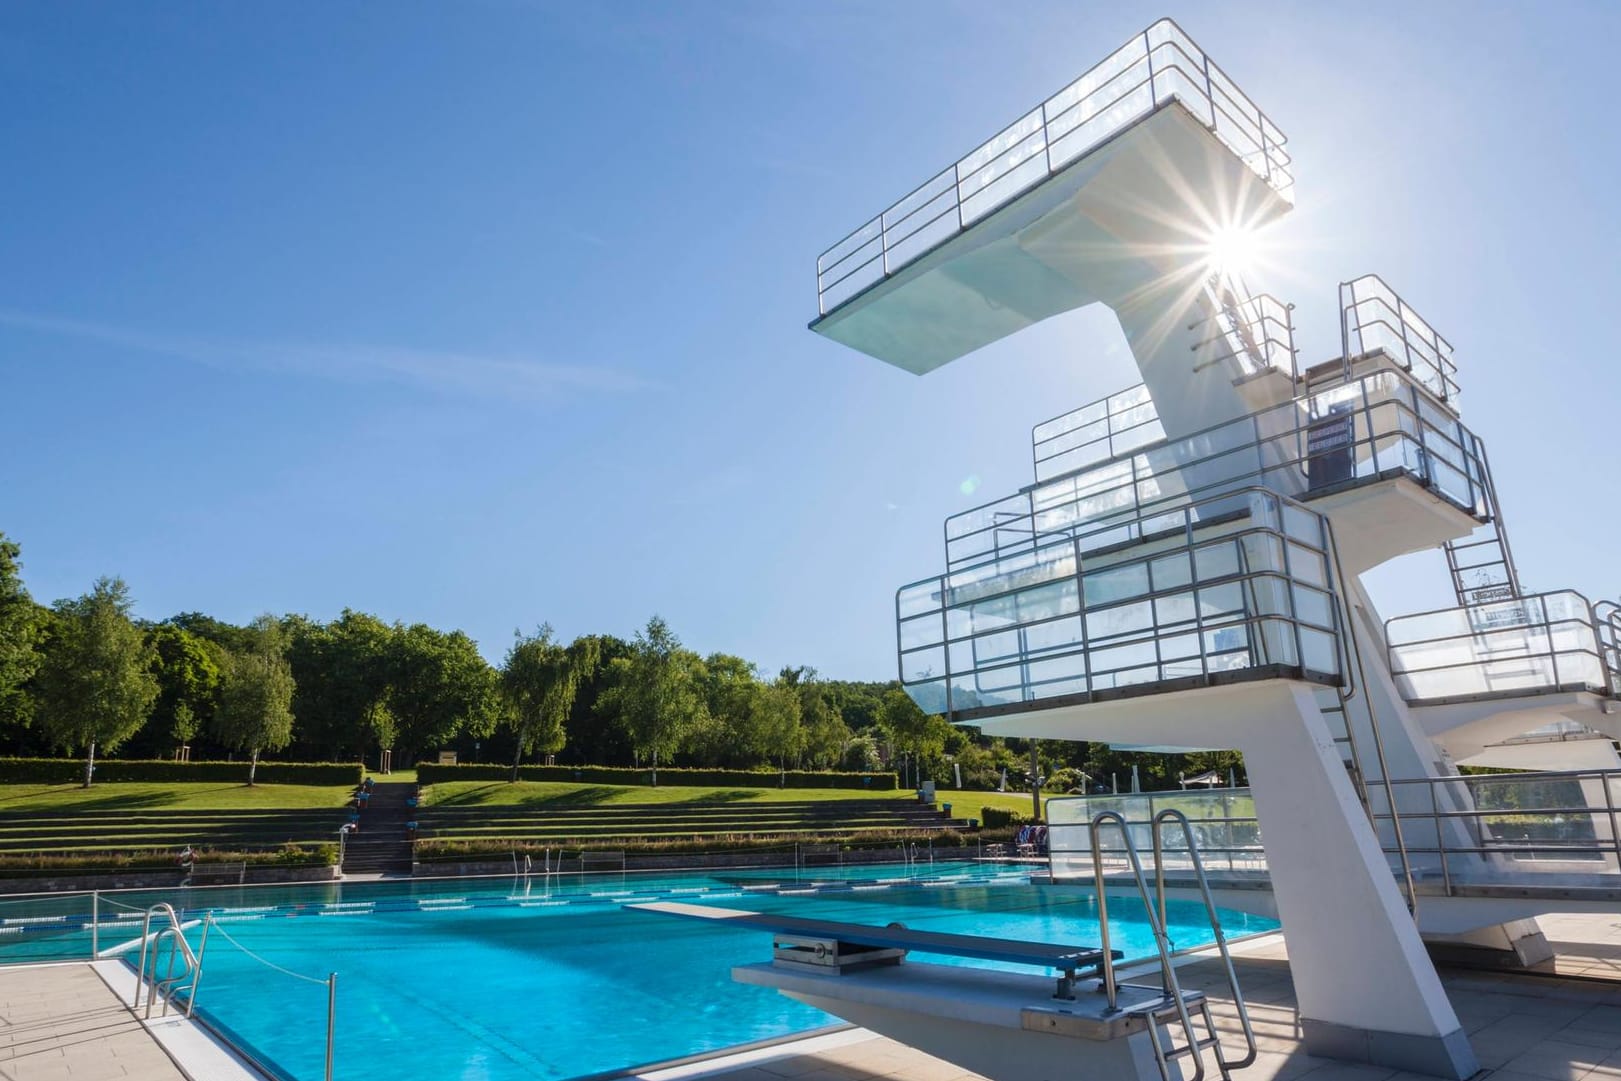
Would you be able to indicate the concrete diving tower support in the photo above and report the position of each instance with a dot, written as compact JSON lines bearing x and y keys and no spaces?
{"x":1112,"y":191}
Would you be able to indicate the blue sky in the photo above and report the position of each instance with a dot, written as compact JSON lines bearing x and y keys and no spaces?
{"x":485,"y":314}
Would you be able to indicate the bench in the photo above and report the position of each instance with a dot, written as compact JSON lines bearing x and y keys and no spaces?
{"x":829,"y":945}
{"x":217,"y":873}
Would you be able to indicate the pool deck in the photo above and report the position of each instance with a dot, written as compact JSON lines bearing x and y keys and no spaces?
{"x":1523,"y":1028}
{"x":66,"y":1022}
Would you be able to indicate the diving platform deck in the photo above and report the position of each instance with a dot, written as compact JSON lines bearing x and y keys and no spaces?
{"x":1065,"y":207}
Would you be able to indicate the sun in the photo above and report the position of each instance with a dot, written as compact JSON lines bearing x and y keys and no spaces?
{"x":1232,"y":251}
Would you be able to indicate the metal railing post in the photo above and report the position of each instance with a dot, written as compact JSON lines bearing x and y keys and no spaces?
{"x":95,"y":920}
{"x":197,"y":977}
{"x":331,"y":1018}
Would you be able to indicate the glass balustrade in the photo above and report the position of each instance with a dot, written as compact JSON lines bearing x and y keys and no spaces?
{"x":1529,"y":645}
{"x":1367,"y":429}
{"x":1374,"y":317}
{"x":1159,"y":66}
{"x":1228,"y":588}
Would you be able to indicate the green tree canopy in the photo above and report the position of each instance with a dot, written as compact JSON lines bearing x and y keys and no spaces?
{"x":188,"y":671}
{"x":22,"y":630}
{"x":539,"y":681}
{"x":916,"y":734}
{"x":345,"y":671}
{"x":255,"y":710}
{"x":95,"y":686}
{"x":442,"y":687}
{"x":656,"y":693}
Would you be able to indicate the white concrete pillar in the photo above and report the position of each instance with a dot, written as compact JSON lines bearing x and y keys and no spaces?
{"x":1367,"y":990}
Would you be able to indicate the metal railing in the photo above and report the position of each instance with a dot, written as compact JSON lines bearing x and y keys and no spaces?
{"x":1159,"y":66}
{"x":1542,"y":643}
{"x":1367,"y":429}
{"x":170,"y":933}
{"x":1516,"y":832}
{"x":1254,"y":334}
{"x":1373,"y":316}
{"x":1240,"y":585}
{"x":1171,"y":999}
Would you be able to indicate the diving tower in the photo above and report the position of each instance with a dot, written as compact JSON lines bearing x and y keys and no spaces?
{"x":1184,"y":570}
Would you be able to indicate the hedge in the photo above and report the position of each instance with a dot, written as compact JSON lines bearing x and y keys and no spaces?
{"x":440,"y":850}
{"x":995,"y":818}
{"x":114,"y":770}
{"x":429,"y":773}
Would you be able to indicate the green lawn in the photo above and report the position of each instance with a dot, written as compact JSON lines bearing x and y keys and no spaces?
{"x":171,"y":795}
{"x":575,"y":794}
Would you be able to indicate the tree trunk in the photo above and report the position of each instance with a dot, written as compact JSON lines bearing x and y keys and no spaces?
{"x":655,"y":769}
{"x":90,"y":764}
{"x":516,"y":758}
{"x":1035,"y":780}
{"x":253,"y":768}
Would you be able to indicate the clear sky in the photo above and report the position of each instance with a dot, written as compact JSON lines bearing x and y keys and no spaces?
{"x":484,"y":314}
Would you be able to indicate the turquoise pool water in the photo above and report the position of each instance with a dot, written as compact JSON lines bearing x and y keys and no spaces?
{"x":491,"y":981}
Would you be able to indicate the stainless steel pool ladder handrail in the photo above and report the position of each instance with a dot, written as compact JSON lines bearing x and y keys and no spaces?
{"x":1171,"y":814}
{"x":191,"y":972}
{"x":1172,"y":999}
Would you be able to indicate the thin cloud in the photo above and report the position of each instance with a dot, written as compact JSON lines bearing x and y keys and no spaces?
{"x":462,"y":374}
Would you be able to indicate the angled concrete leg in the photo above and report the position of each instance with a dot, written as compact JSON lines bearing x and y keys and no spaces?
{"x":1366,"y":988}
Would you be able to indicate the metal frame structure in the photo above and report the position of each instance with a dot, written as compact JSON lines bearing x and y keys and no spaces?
{"x":1235,"y":587}
{"x":1156,"y":68}
{"x":1395,"y":430}
{"x":1509,"y":647}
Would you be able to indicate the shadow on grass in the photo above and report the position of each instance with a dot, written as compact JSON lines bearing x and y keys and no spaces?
{"x":470,"y":797}
{"x":730,"y":795}
{"x":121,"y":802}
{"x":589,"y":796}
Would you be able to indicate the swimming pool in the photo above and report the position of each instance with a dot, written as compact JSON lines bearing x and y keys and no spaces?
{"x":496,"y":980}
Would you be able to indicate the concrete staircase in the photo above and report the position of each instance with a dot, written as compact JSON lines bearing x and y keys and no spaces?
{"x":382,"y":846}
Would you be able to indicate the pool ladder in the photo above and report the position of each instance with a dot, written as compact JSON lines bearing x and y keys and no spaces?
{"x":190,"y":975}
{"x":1170,"y":1003}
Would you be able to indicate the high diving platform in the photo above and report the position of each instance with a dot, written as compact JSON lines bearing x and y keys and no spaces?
{"x":1186,"y":568}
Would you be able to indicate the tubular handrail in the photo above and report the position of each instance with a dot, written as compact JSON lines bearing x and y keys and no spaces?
{"x":1421,"y":346}
{"x":1543,"y":630}
{"x":1390,"y":428}
{"x":1154,"y":68}
{"x":1170,"y":814}
{"x":1298,"y":604}
{"x":174,"y":934}
{"x":1156,"y":924}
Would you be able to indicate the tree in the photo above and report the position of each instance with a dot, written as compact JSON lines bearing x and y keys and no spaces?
{"x":255,"y":711}
{"x":22,"y":629}
{"x":777,"y":716}
{"x":913,"y":733}
{"x":442,"y":687}
{"x":345,"y":671}
{"x":656,"y":693}
{"x":825,"y":735}
{"x":187,"y":668}
{"x":95,"y":686}
{"x":729,"y":734}
{"x":539,"y":681}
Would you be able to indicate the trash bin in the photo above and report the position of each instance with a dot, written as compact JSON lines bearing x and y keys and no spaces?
{"x":946,"y":807}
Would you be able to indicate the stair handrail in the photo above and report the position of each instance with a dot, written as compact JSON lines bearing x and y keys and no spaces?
{"x":1173,"y":988}
{"x":175,"y":935}
{"x":1171,"y":814}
